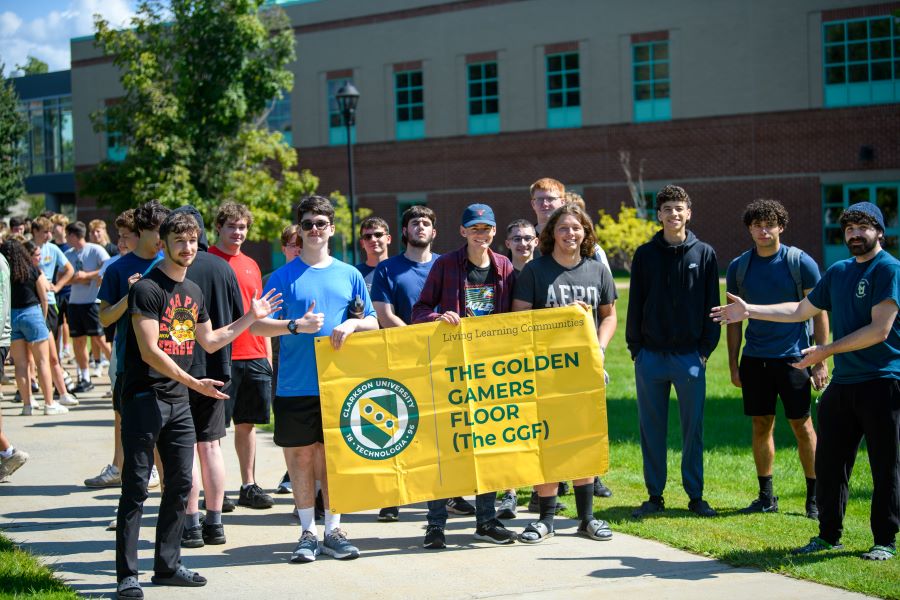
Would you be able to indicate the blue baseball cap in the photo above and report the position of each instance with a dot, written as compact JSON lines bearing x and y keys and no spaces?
{"x":868,"y":209}
{"x":477,"y":214}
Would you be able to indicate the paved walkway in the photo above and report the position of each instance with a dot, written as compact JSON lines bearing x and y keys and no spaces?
{"x":46,"y":508}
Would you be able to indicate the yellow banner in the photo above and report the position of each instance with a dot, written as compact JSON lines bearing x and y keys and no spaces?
{"x":436,"y":411}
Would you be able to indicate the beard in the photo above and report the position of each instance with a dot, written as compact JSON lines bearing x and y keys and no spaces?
{"x":864,"y":247}
{"x":419,"y":243}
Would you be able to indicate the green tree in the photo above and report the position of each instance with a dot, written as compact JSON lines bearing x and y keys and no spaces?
{"x":620,"y":237}
{"x":199,"y":77}
{"x":12,"y":129}
{"x":33,"y":66}
{"x":343,"y":224}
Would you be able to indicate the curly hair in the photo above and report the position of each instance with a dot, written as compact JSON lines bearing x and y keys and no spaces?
{"x":150,"y":215}
{"x":20,"y":266}
{"x":547,"y":240}
{"x":860,"y":218}
{"x":672,"y":193}
{"x":178,"y":223}
{"x":765,"y":211}
{"x":125,"y":220}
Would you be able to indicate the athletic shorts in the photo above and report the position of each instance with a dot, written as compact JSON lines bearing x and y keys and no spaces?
{"x":28,"y":324}
{"x":250,"y":395}
{"x":765,"y":379}
{"x":53,"y":320}
{"x":109,"y":332}
{"x":62,"y":303}
{"x":209,"y":417}
{"x":84,"y":320}
{"x":298,"y":421}
{"x":118,"y":388}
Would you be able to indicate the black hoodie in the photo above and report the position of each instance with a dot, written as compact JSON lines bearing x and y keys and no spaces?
{"x":673,"y":289}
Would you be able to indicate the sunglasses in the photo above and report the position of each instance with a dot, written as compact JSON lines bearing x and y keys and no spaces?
{"x":374,"y":236}
{"x":320,"y":225}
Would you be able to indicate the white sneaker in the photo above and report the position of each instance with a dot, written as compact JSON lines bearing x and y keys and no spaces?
{"x":27,"y":410}
{"x":55,"y":409}
{"x":10,"y":465}
{"x":108,"y":477}
{"x":98,"y":371}
{"x":68,"y":400}
{"x":154,"y":478}
{"x":104,"y":363}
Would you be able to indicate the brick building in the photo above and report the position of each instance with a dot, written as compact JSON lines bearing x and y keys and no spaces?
{"x":472,"y":100}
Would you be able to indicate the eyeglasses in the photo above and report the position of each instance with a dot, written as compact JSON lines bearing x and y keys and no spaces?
{"x":377,"y":235}
{"x":547,"y":199}
{"x":320,"y":225}
{"x":518,"y":239}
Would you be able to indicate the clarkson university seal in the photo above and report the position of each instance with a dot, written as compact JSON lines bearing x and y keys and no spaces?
{"x":379,"y":418}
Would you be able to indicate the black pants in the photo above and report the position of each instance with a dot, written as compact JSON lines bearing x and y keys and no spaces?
{"x":148,"y":422}
{"x":847,"y":413}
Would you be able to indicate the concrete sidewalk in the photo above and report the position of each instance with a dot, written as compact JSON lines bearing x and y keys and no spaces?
{"x":46,"y":508}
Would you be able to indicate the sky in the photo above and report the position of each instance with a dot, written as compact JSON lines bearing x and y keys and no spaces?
{"x":43,"y":28}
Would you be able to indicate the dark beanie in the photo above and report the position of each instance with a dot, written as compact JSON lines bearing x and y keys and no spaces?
{"x":202,"y":242}
{"x":869,"y":209}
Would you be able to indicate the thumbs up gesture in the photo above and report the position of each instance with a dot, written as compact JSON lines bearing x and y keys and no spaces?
{"x":312,"y":321}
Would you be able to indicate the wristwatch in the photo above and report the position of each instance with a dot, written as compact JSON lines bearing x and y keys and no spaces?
{"x":292,"y":327}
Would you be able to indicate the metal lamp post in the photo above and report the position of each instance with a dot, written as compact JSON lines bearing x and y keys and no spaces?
{"x":347,"y":98}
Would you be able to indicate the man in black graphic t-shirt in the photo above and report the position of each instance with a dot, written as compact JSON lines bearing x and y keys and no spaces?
{"x":168,"y":318}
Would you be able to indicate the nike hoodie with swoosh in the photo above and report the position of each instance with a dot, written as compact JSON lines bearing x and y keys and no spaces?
{"x":672,"y":291}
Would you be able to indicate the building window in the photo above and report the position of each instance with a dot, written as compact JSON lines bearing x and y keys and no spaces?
{"x":837,"y":197}
{"x":337,"y":132}
{"x":651,"y":81}
{"x":862,"y":61}
{"x":279,"y":118}
{"x":410,"y":102}
{"x":116,"y":150}
{"x":563,"y":90}
{"x":484,"y":99}
{"x":48,"y":144}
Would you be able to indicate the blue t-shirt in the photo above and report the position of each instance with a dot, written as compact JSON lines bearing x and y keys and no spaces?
{"x":52,"y":260}
{"x":368,"y":273}
{"x":849,"y":290}
{"x":113,"y":288}
{"x":398,"y":281}
{"x":768,"y":281}
{"x":333,"y":288}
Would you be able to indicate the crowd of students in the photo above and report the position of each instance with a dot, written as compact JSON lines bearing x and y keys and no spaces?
{"x":169,"y":290}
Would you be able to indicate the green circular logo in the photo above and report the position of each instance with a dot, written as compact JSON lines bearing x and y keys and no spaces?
{"x":379,"y":418}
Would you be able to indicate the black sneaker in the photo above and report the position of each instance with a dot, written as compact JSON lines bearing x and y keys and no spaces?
{"x":192,"y":537}
{"x":812,"y":509}
{"x":320,"y":506}
{"x":816,"y":544}
{"x":213,"y":533}
{"x":494,"y":532}
{"x":254,"y":497}
{"x":655,"y":504}
{"x":563,"y":488}
{"x":434,"y":538}
{"x":389,"y":514}
{"x":460,"y":506}
{"x":600,"y":490}
{"x":701,"y":507}
{"x":227,"y":505}
{"x":17,"y":398}
{"x":534,"y":504}
{"x":284,"y":486}
{"x":82,"y":386}
{"x":762,"y":504}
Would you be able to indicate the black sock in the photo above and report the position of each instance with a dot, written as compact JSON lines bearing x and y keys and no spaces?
{"x":765,"y":486}
{"x":548,"y":511}
{"x":810,"y":489}
{"x":584,"y":502}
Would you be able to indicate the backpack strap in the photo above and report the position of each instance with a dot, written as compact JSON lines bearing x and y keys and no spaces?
{"x":743,"y":263}
{"x":794,"y":255}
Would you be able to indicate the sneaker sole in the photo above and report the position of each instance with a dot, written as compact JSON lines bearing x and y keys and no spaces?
{"x":98,"y":486}
{"x":250,"y":505}
{"x":456,"y":511}
{"x":506,"y":515}
{"x":335,"y":554}
{"x":388,"y":518}
{"x":435,"y":546}
{"x":192,"y":544}
{"x":303,"y":558}
{"x":490,"y":540}
{"x":217,"y":541}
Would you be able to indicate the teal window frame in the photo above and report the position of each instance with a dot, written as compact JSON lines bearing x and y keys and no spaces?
{"x":279,"y":118}
{"x":337,"y":132}
{"x":651,"y":81}
{"x":484,"y":97}
{"x":861,"y":61}
{"x":838,"y":196}
{"x":116,"y":151}
{"x":563,"y":90}
{"x":409,"y":100}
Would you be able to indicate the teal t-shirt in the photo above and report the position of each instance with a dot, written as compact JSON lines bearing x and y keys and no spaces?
{"x":849,"y":290}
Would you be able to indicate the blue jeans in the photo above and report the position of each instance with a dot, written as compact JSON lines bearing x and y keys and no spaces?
{"x":484,"y":510}
{"x":655,"y":373}
{"x":28,"y":324}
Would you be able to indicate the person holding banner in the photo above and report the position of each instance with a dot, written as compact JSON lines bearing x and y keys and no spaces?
{"x":322,"y":297}
{"x":470,"y":282}
{"x":566,"y":273}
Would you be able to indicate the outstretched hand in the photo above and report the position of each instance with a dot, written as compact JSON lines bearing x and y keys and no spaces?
{"x":268,"y":304}
{"x":735,"y":312}
{"x":811,"y":356}
{"x":210,"y":387}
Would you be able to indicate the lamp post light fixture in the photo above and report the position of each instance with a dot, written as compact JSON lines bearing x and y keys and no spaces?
{"x":347,"y":98}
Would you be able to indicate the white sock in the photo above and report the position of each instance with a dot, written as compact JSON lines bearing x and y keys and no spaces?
{"x":307,"y":520}
{"x":84,"y":374}
{"x":332,"y":521}
{"x":7,"y":453}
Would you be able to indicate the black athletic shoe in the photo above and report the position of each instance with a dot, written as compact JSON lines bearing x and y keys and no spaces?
{"x":653,"y":505}
{"x":320,"y":506}
{"x":460,"y":506}
{"x":816,"y":544}
{"x":284,"y":486}
{"x":534,"y":504}
{"x":254,"y":497}
{"x":227,"y":505}
{"x":701,"y":507}
{"x":192,"y":537}
{"x":494,"y":532}
{"x":762,"y":504}
{"x":563,"y":488}
{"x":812,"y":509}
{"x":434,"y":538}
{"x":213,"y":533}
{"x":82,"y":386}
{"x":600,"y":490}
{"x":389,"y":514}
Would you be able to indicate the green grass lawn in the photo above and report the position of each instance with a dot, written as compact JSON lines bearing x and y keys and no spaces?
{"x":761,"y":541}
{"x":23,"y":576}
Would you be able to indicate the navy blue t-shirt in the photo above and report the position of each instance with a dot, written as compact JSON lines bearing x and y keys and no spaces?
{"x":849,"y":290}
{"x":368,"y":273}
{"x":768,"y":281}
{"x":398,"y":281}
